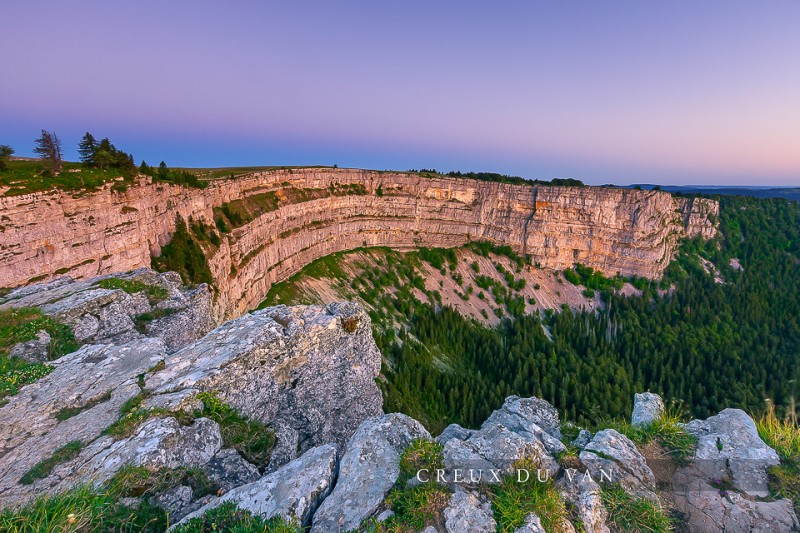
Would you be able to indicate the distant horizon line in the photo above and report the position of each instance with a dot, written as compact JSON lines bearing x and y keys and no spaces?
{"x":639,"y":184}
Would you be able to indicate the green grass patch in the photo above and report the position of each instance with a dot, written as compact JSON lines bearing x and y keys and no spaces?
{"x":184,"y":255}
{"x":68,"y":412}
{"x":667,"y":431}
{"x":422,"y":505}
{"x":154,"y":293}
{"x":228,"y":517}
{"x":24,"y":177}
{"x":81,"y":509}
{"x":21,"y":325}
{"x":132,"y":414}
{"x":139,"y":482}
{"x":634,"y":515}
{"x":251,"y":438}
{"x":784,"y":436}
{"x":43,"y":468}
{"x":513,"y":500}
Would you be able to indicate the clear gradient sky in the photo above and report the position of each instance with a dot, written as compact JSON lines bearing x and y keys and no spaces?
{"x":618,"y":91}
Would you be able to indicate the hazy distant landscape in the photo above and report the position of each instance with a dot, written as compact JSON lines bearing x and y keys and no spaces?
{"x":790,"y":193}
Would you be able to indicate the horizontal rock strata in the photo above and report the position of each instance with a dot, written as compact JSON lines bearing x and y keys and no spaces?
{"x":615,"y":230}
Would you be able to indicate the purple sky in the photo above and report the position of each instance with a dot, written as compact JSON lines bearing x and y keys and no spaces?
{"x":682,"y":91}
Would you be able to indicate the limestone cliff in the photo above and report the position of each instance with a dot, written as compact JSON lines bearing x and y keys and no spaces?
{"x":317,"y":211}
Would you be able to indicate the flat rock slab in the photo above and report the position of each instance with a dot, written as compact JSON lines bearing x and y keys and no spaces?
{"x":30,"y":430}
{"x":293,"y":491}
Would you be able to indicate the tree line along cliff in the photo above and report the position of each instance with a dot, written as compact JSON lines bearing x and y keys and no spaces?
{"x":265,"y":226}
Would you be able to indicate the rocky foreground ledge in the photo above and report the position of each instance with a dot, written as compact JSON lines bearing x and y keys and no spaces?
{"x":135,"y":397}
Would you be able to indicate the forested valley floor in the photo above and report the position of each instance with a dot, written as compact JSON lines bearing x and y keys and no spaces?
{"x":721,"y":329}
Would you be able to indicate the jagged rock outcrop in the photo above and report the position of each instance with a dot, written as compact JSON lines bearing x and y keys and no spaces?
{"x":368,"y":469}
{"x":728,"y":444}
{"x":30,"y":429}
{"x":318,"y":211}
{"x":101,"y":315}
{"x":307,"y":371}
{"x":159,"y":443}
{"x":523,"y":428}
{"x":585,"y":494}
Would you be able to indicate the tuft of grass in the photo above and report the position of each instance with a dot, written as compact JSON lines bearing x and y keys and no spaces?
{"x":131,"y":286}
{"x":252,"y":438}
{"x":415,"y":507}
{"x":138,"y":482}
{"x":569,"y":458}
{"x":132,"y":414}
{"x":22,"y":325}
{"x":421,"y":454}
{"x":514,"y":500}
{"x":634,"y":515}
{"x":42,"y":469}
{"x":81,"y":509}
{"x":68,"y":412}
{"x":142,"y":320}
{"x":667,"y":431}
{"x":783,"y":434}
{"x":228,"y":517}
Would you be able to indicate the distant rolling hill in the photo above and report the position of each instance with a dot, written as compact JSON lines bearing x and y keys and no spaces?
{"x":790,"y":193}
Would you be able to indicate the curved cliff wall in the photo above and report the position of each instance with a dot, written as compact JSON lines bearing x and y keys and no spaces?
{"x":319,"y":211}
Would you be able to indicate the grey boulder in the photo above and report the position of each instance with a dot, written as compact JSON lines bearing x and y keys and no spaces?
{"x":647,"y":408}
{"x":611,"y":457}
{"x":368,"y":469}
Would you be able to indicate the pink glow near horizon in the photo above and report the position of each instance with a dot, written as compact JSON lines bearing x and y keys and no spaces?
{"x":620,"y":92}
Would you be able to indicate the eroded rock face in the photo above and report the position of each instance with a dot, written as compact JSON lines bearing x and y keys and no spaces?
{"x":531,"y":417}
{"x":293,"y":491}
{"x":647,"y":408}
{"x":368,"y":469}
{"x":609,"y":229}
{"x":99,"y":315}
{"x":523,"y":428}
{"x":709,"y":510}
{"x":495,"y":450}
{"x":611,"y":457}
{"x":308,"y":371}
